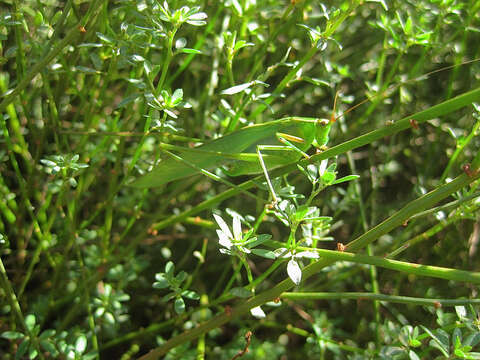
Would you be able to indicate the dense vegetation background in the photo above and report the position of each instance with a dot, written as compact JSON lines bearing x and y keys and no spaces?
{"x":92,"y":267}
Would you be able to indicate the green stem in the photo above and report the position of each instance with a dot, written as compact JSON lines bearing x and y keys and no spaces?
{"x":244,"y":261}
{"x":326,"y":339}
{"x":458,"y":150}
{"x":402,"y":266}
{"x":373,"y":270}
{"x":360,"y":296}
{"x":460,"y":214}
{"x":88,"y":305}
{"x":166,"y":62}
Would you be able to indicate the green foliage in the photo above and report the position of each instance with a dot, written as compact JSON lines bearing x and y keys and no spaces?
{"x":67,"y":166}
{"x":169,"y":280}
{"x":221,"y":106}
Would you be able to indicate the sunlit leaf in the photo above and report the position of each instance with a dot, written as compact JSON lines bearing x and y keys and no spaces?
{"x":268,"y":254}
{"x":237,"y":88}
{"x":81,"y":344}
{"x":190,"y":51}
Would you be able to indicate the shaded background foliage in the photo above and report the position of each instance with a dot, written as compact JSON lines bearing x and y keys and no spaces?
{"x":80,"y":247}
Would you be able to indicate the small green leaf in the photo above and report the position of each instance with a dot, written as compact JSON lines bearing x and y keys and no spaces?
{"x":328,"y":178}
{"x":12,"y":335}
{"x":472,"y":339}
{"x":38,"y":20}
{"x":81,"y":344}
{"x":161,"y":282}
{"x":105,"y":38}
{"x":48,"y":163}
{"x":241,"y":44}
{"x":237,"y":88}
{"x":56,"y":17}
{"x":408,"y":26}
{"x":169,"y":297}
{"x":457,"y":338}
{"x":22,"y":349}
{"x":259,"y":239}
{"x":30,"y":321}
{"x":459,"y":353}
{"x":109,"y":318}
{"x":86,"y":70}
{"x":100,"y":311}
{"x":47,"y":333}
{"x":414,"y":342}
{"x":268,"y":254}
{"x":169,"y":270}
{"x":171,"y":113}
{"x":72,"y":182}
{"x":301,"y":213}
{"x":413,"y":355}
{"x":177,"y":97}
{"x":181,"y":277}
{"x":345,"y":179}
{"x":439,"y":342}
{"x":48,"y":346}
{"x":179,"y":306}
{"x":189,"y":294}
{"x":191,"y":51}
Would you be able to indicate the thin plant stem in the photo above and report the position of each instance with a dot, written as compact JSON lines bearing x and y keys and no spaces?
{"x":14,"y":304}
{"x":360,"y":296}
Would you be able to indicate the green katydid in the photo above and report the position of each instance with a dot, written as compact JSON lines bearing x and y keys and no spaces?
{"x":250,"y":150}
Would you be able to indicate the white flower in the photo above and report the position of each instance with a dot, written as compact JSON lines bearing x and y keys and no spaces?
{"x":294,"y":271}
{"x":258,"y":312}
{"x":226,"y":239}
{"x":322,"y":167}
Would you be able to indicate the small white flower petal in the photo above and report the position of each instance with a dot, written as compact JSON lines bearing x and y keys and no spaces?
{"x":294,"y":271}
{"x":307,"y":254}
{"x":223,"y":226}
{"x":225,"y":251}
{"x":223,"y":240}
{"x":257,"y":312}
{"x":323,"y":167}
{"x":237,"y":228}
{"x":312,"y":169}
{"x":244,"y":250}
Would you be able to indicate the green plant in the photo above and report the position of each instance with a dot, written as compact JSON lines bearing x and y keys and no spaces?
{"x":167,"y":279}
{"x":379,"y":219}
